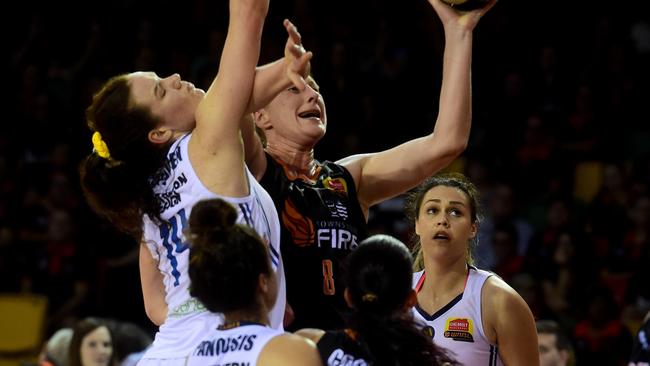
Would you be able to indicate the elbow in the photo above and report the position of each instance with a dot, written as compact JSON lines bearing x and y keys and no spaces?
{"x":157,"y":316}
{"x":453,"y":150}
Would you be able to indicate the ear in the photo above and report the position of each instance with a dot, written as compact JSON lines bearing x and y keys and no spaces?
{"x":417,"y":228}
{"x":262,"y":119}
{"x":473,"y":230}
{"x":160,"y":135}
{"x":263,"y":283}
{"x":348,"y":298}
{"x":411,"y":300}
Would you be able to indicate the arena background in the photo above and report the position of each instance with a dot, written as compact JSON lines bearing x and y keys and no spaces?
{"x":560,"y":142}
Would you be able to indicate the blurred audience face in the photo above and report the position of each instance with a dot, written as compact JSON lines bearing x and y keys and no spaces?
{"x":549,"y":354}
{"x":96,"y":348}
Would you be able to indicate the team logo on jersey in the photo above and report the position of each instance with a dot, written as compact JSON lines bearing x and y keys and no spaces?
{"x":459,"y":329}
{"x":337,"y":209}
{"x":336,"y":184}
{"x":301,"y":228}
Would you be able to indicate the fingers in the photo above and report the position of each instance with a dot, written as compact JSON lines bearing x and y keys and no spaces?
{"x":300,"y":69}
{"x":292,"y":30}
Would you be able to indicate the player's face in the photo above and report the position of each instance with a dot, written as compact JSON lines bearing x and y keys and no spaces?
{"x":444,"y":224}
{"x":96,"y":348}
{"x":172,"y":100}
{"x":297,"y":116}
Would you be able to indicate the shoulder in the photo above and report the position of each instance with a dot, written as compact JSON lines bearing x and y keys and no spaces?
{"x":289,"y":349}
{"x":311,"y":333}
{"x":502,"y":305}
{"x":498,"y":295}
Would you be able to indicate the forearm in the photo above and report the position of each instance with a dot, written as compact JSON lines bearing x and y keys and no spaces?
{"x":455,"y":116}
{"x":270,"y":80}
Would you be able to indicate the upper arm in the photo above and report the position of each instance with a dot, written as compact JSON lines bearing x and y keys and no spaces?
{"x":216,"y":139}
{"x":289,"y":350}
{"x":253,"y":150}
{"x":153,"y":289}
{"x":509,"y":317}
{"x":383,"y":175}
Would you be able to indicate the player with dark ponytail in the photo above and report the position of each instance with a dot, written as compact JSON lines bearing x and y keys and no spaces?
{"x":381,"y":330}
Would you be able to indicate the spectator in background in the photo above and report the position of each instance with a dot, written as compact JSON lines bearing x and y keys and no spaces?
{"x":555,"y":349}
{"x":91,"y":344}
{"x":56,"y":351}
{"x":129,"y":342}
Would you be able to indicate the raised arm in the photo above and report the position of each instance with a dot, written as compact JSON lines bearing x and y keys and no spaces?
{"x":270,"y":80}
{"x":216,"y":149}
{"x":383,"y":175}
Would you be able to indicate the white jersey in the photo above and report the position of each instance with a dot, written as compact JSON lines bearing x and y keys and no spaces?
{"x":458,"y":326}
{"x":241,"y":345}
{"x":179,"y":189}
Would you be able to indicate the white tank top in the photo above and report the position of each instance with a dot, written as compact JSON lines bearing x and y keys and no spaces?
{"x":458,"y":326}
{"x":178,"y":188}
{"x":241,"y":345}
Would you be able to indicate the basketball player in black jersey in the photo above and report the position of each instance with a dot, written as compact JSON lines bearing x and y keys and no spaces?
{"x":323,"y":206}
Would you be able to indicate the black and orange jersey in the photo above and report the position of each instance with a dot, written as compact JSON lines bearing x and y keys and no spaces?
{"x":321,"y":223}
{"x":341,"y":347}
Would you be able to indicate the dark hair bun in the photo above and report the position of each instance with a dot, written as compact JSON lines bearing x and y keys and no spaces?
{"x":212,"y":215}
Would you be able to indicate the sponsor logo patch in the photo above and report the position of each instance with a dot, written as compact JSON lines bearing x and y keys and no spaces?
{"x":459,"y":329}
{"x":335,"y":184}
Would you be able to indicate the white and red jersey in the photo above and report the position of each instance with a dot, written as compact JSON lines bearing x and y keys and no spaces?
{"x":458,"y":326}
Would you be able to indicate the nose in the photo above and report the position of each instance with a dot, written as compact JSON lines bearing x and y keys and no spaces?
{"x":442,"y":221}
{"x":174,"y":80}
{"x":312,"y":95}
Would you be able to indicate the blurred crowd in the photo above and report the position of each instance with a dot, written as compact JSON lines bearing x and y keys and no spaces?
{"x":560,"y":142}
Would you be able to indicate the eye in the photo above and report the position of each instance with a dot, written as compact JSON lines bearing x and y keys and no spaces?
{"x":294,"y":90}
{"x":432,"y":210}
{"x":455,"y":212}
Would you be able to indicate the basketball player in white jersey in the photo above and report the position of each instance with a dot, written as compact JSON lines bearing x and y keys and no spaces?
{"x":232,"y":275}
{"x":470,"y":312}
{"x":160,"y":145}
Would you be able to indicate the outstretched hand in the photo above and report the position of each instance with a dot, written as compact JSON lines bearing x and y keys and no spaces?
{"x":465,"y":19}
{"x":297,"y":60}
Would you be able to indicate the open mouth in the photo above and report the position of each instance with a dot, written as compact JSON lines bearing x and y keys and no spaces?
{"x":441,"y":236}
{"x":313,"y":113}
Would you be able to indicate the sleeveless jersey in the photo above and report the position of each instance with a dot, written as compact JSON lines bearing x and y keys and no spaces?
{"x":458,"y":326}
{"x":339,"y":348}
{"x":322,"y":223}
{"x":178,"y":188}
{"x":235,"y":346}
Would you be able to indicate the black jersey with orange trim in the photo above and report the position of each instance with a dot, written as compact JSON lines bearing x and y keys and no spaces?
{"x":321,"y":223}
{"x":340,"y":347}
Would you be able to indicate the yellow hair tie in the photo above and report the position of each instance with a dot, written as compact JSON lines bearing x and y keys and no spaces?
{"x":99,"y":146}
{"x":369,"y":297}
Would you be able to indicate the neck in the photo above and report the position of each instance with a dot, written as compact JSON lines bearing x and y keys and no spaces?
{"x":296,"y":161}
{"x":444,"y":277}
{"x":256,"y":316}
